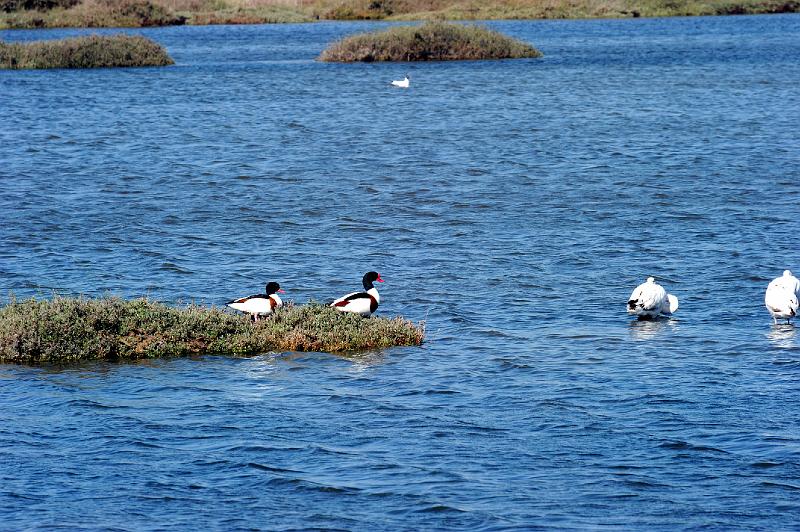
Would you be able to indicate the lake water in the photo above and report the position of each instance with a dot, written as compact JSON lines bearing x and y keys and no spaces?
{"x":512,"y":205}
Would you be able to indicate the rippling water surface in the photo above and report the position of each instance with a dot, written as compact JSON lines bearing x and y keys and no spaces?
{"x":513,"y":205}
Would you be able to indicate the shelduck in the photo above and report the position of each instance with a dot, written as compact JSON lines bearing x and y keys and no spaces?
{"x":649,"y":300}
{"x":782,"y":297}
{"x":364,"y":303}
{"x":260,"y":304}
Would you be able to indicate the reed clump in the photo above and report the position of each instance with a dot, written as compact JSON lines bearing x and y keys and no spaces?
{"x":72,"y":329}
{"x":93,"y":51}
{"x":432,"y":41}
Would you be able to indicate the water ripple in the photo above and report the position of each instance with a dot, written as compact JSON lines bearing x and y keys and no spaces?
{"x":513,"y":213}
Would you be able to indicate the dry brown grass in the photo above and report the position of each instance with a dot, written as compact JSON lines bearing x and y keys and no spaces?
{"x":572,"y":9}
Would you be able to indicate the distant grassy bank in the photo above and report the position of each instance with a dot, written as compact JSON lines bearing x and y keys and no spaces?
{"x":71,"y":329}
{"x":93,"y":51}
{"x":432,"y":41}
{"x":139,"y":13}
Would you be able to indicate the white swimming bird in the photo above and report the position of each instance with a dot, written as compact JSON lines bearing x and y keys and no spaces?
{"x":403,"y":83}
{"x":364,"y":303}
{"x":649,"y":300}
{"x":259,"y":304}
{"x":782,"y":297}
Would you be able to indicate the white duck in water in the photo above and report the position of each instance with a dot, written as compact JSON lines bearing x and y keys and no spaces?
{"x":364,"y":303}
{"x":259,"y":304}
{"x":782,"y":297}
{"x":649,"y":300}
{"x":403,"y":83}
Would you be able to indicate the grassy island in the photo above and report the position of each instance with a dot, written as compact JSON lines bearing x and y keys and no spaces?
{"x":72,"y":329}
{"x":433,"y":41}
{"x":136,"y":13}
{"x":92,"y":51}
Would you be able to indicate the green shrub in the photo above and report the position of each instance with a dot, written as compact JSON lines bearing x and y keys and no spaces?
{"x":69,"y":329}
{"x":85,"y":52}
{"x":143,"y":13}
{"x":360,"y":10}
{"x":433,"y":41}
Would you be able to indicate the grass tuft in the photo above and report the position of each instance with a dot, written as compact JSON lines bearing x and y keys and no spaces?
{"x":71,"y":329}
{"x":92,"y":51}
{"x":432,"y":41}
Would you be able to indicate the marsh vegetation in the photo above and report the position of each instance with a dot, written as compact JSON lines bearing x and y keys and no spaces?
{"x":69,"y":329}
{"x":93,"y":51}
{"x":136,"y":13}
{"x":87,"y":14}
{"x":432,"y":41}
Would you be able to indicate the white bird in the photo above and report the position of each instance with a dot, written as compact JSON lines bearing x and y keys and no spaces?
{"x":649,"y":300}
{"x":364,"y":303}
{"x":782,"y":297}
{"x":259,"y":304}
{"x":403,"y":83}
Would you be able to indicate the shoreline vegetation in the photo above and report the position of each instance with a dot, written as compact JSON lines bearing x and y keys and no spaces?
{"x":28,"y":14}
{"x":432,"y":41}
{"x":92,"y":51}
{"x":64,"y":330}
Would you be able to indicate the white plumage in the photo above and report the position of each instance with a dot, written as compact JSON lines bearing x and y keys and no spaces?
{"x":359,"y":305}
{"x":364,"y":303}
{"x":403,"y":83}
{"x":649,"y":300}
{"x":259,"y":304}
{"x":782,"y":297}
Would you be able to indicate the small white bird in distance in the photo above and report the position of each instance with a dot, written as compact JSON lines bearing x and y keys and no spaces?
{"x":403,"y":83}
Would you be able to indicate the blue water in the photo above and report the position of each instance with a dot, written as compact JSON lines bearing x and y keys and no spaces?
{"x":512,"y":205}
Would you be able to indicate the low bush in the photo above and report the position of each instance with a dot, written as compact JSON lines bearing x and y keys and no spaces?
{"x":433,"y":41}
{"x":745,"y":7}
{"x":70,"y":329}
{"x":95,"y":14}
{"x":84,"y":52}
{"x":9,"y":6}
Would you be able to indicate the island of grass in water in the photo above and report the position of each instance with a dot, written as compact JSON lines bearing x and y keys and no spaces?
{"x":71,"y":329}
{"x":432,"y":41}
{"x":92,"y":51}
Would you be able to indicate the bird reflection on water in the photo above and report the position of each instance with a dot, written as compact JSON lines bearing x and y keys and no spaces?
{"x":783,"y":336}
{"x":649,"y":329}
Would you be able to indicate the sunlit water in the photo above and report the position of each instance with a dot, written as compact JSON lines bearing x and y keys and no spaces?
{"x":513,"y":205}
